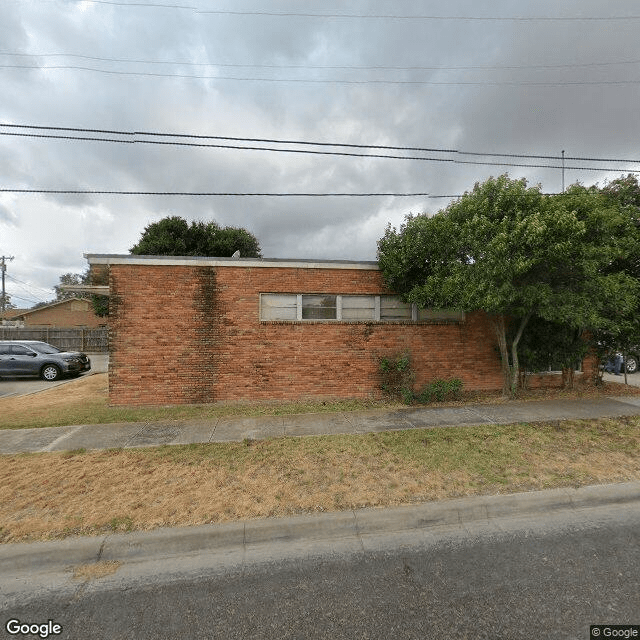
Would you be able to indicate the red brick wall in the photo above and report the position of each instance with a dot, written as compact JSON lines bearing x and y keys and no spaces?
{"x":161,"y":348}
{"x":184,"y":334}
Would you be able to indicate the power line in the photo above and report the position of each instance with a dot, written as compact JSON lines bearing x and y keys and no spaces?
{"x":541,"y":83}
{"x":364,"y":16}
{"x":314,"y":152}
{"x":218,"y":193}
{"x":47,"y":291}
{"x":208,"y":193}
{"x":290,"y":14}
{"x":165,"y":134}
{"x":327,"y":153}
{"x":326,"y":67}
{"x":27,"y":289}
{"x":13,"y":295}
{"x":134,"y":134}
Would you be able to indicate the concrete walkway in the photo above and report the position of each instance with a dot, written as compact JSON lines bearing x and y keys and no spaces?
{"x":140,"y":434}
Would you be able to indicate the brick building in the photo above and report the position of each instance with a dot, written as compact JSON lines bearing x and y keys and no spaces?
{"x":193,"y":330}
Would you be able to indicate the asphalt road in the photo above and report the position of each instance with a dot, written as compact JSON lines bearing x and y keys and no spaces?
{"x":25,"y":386}
{"x":548,"y":577}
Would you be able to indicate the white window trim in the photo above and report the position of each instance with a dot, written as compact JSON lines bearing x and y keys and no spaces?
{"x":338,"y":318}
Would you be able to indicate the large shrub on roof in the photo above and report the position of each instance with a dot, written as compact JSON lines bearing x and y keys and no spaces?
{"x":174,"y":236}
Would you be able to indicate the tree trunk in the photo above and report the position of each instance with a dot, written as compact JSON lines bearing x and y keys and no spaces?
{"x":568,"y":378}
{"x":510,"y":373}
{"x":499,"y":327}
{"x":514,"y":355}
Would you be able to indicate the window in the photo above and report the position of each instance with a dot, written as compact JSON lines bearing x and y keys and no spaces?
{"x":19,"y":350}
{"x":392,"y":308}
{"x":358,"y":308}
{"x":275,"y":306}
{"x":348,"y":308}
{"x":319,"y":308}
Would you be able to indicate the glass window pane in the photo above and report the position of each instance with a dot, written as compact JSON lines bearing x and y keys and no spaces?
{"x":358,"y":307}
{"x":440,"y":314}
{"x":277,"y":306}
{"x":392,"y":308}
{"x":19,"y":350}
{"x":319,"y":307}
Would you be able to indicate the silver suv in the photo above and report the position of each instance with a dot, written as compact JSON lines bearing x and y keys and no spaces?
{"x":33,"y":358}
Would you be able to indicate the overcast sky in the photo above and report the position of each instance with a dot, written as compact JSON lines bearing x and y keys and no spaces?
{"x":478,"y":84}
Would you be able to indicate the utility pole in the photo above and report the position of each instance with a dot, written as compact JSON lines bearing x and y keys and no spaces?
{"x":563,"y":171}
{"x":3,"y":267}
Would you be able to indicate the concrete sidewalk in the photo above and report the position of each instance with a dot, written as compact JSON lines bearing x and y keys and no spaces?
{"x":104,"y":436}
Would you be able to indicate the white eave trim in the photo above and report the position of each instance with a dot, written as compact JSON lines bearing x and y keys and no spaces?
{"x":195,"y":261}
{"x":101,"y":290}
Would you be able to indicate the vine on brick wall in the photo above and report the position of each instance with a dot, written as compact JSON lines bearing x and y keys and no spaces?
{"x":440,"y":390}
{"x":397,"y":376}
{"x":398,"y":380}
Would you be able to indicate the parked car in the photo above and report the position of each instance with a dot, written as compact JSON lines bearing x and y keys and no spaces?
{"x":632,"y":359}
{"x":33,"y":358}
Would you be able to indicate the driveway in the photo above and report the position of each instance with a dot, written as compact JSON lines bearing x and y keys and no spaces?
{"x":633,"y":379}
{"x":25,"y":386}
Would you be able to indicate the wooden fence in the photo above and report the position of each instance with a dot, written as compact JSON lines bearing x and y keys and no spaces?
{"x":91,"y":340}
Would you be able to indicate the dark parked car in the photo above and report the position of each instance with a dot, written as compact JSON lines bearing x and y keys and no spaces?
{"x":632,"y":360}
{"x":33,"y":358}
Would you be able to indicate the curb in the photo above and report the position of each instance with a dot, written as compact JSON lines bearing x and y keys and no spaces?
{"x":171,"y":542}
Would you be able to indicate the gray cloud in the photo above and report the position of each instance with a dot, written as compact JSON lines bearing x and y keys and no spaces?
{"x":48,"y":234}
{"x":7,"y":216}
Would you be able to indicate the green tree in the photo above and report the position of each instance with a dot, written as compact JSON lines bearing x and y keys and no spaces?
{"x":623,"y":332}
{"x":625,"y":191}
{"x":552,"y":345}
{"x":100,"y":303}
{"x":5,"y":302}
{"x":513,"y":253}
{"x":174,"y":236}
{"x":74,"y":279}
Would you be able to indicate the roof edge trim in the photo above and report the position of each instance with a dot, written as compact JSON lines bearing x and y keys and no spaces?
{"x":197,"y":261}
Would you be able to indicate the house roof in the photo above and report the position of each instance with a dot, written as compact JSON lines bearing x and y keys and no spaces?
{"x":108,"y":259}
{"x":10,"y":313}
{"x":20,"y":313}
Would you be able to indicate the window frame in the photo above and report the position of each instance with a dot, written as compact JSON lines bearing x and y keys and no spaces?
{"x":376,"y":310}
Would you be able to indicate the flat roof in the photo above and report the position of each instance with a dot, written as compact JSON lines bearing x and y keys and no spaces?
{"x":202,"y":261}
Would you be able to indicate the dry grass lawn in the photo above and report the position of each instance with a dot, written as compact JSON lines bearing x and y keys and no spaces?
{"x":55,"y":495}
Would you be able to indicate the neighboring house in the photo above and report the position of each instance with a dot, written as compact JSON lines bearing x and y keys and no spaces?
{"x":69,"y":313}
{"x":193,"y":330}
{"x":10,"y":313}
